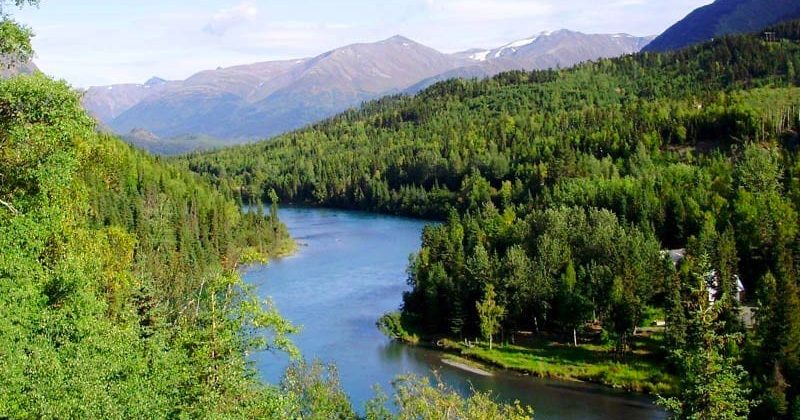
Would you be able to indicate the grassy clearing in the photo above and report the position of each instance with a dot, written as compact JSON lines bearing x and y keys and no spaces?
{"x":640,"y":371}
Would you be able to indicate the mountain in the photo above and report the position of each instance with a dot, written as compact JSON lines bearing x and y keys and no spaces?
{"x":264,"y":99}
{"x":205,"y":103}
{"x":10,"y":68}
{"x":108,"y":102}
{"x":563,"y":48}
{"x":724,"y":17}
{"x":241,"y":103}
{"x":343,"y":78}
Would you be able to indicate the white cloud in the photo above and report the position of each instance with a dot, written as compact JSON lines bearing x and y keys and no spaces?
{"x":487,"y":10}
{"x":225,"y":19}
{"x":110,"y":42}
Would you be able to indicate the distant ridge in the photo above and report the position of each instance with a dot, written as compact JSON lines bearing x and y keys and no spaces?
{"x":9,"y":68}
{"x":562,"y":48}
{"x":241,"y":103}
{"x":724,"y":17}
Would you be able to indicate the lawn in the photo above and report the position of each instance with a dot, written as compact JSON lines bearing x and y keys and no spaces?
{"x":642,"y":370}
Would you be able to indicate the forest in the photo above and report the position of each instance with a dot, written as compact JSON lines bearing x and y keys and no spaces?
{"x":120,"y":287}
{"x":562,"y":193}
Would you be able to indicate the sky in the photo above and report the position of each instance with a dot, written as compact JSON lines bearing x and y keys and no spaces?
{"x":99,"y":42}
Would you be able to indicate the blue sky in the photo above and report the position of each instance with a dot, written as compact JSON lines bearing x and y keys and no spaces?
{"x":96,"y":42}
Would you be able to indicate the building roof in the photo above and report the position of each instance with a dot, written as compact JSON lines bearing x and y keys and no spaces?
{"x":676,"y":255}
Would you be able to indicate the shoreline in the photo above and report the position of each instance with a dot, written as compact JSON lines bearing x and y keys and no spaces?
{"x":600,"y":374}
{"x":465,"y":365}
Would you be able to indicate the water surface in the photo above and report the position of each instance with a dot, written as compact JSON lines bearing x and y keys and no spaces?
{"x":349,"y":270}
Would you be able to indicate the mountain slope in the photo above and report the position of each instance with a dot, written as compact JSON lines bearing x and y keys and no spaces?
{"x":260,"y":100}
{"x":563,"y":48}
{"x":108,"y":102}
{"x":264,"y":99}
{"x":343,"y":78}
{"x":724,"y":17}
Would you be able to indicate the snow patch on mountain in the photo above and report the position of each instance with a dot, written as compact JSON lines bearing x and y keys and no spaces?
{"x":516,"y":45}
{"x":480,"y":55}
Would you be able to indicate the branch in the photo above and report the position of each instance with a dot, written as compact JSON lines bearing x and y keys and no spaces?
{"x":9,"y":207}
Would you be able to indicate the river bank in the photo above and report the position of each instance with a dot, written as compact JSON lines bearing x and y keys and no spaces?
{"x":640,"y":371}
{"x":349,"y":268}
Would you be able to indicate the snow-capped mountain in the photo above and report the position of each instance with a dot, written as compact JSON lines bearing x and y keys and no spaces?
{"x":265,"y":99}
{"x":562,"y":48}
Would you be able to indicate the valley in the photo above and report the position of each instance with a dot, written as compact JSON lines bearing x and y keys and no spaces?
{"x":355,"y":264}
{"x":571,"y":224}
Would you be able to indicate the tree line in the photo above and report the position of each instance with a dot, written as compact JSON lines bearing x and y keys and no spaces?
{"x":560,"y":192}
{"x":120,"y":293}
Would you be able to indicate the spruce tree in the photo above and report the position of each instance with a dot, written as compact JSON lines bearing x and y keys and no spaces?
{"x":711,"y":383}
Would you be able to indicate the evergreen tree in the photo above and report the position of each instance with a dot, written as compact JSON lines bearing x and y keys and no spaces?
{"x":778,"y":344}
{"x":711,"y":383}
{"x":727,"y":263}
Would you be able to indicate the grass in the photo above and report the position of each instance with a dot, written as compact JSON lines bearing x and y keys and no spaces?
{"x":640,"y":371}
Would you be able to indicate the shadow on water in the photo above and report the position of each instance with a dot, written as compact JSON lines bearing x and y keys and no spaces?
{"x":351,"y":271}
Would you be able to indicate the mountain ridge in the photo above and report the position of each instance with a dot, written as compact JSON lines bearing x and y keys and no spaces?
{"x":724,"y":17}
{"x":260,"y":100}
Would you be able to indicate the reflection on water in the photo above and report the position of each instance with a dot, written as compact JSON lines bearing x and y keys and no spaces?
{"x":351,"y":270}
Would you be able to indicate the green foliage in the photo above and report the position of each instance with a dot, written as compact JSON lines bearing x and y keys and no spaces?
{"x":490,"y":315}
{"x":15,"y":39}
{"x":712,"y":383}
{"x":118,"y":290}
{"x":417,"y":399}
{"x":391,"y":324}
{"x":571,"y":263}
{"x":314,"y":392}
{"x":776,"y":358}
{"x":560,"y":189}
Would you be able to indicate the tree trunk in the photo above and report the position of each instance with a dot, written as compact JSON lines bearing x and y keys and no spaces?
{"x":575,"y":336}
{"x":490,"y":342}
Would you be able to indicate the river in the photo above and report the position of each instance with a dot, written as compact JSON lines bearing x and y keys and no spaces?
{"x":348,"y":271}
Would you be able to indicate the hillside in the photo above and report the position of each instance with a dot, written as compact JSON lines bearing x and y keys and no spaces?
{"x":94,"y":283}
{"x":237,"y":104}
{"x":724,"y":17}
{"x":561,"y":189}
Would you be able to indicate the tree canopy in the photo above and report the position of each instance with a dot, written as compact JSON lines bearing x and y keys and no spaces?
{"x":563,"y":189}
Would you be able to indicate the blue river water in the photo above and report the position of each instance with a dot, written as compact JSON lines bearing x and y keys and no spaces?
{"x":349,"y":270}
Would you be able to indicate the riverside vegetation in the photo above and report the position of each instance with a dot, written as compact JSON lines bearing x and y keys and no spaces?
{"x":560,"y":190}
{"x":119,"y":290}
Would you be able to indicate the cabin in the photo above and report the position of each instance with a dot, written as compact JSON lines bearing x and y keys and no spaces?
{"x":713,"y":282}
{"x":676,"y":255}
{"x":712,"y":277}
{"x":770,"y":37}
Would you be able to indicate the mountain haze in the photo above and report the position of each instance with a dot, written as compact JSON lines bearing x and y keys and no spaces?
{"x":9,"y":68}
{"x":241,"y":103}
{"x":724,"y":17}
{"x":108,"y":102}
